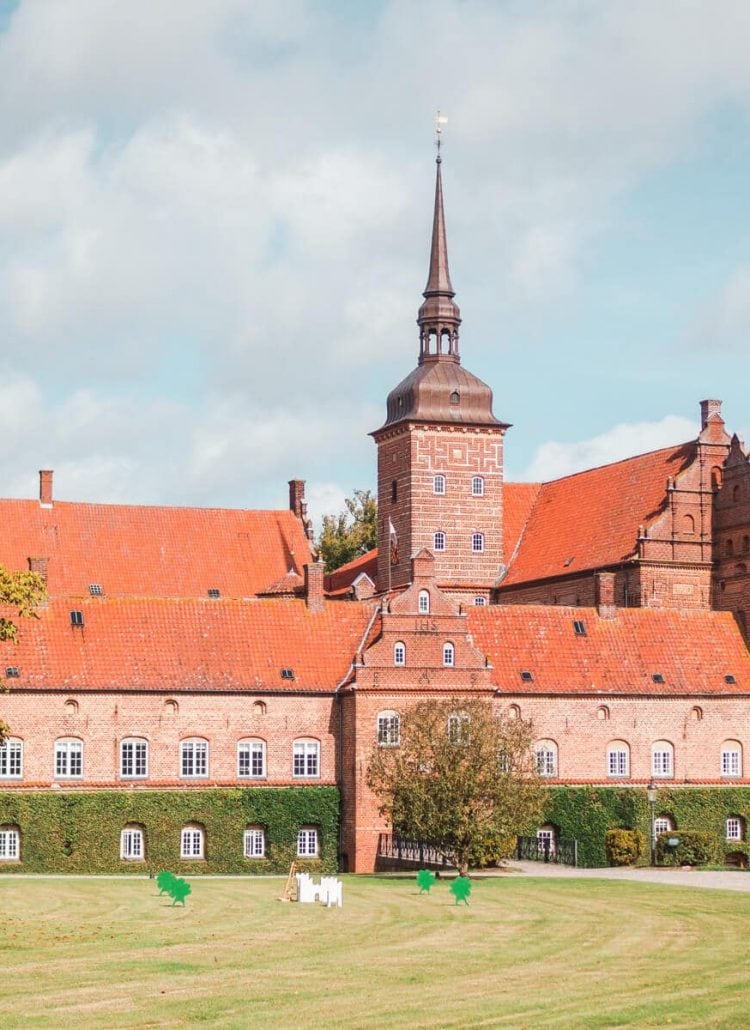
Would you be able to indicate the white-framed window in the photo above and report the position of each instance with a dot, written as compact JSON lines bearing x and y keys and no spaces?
{"x":389,"y":729}
{"x":251,"y":759}
{"x":662,"y":759}
{"x":307,"y":842}
{"x":439,"y":541}
{"x":68,"y":759}
{"x":458,"y":728}
{"x":11,"y":759}
{"x":133,"y":758}
{"x":194,"y":757}
{"x":438,"y":485}
{"x":10,"y":844}
{"x":192,"y":841}
{"x":663,"y":824}
{"x":477,"y":543}
{"x":254,"y":842}
{"x":449,"y":655}
{"x":480,"y":602}
{"x":399,"y":653}
{"x":546,"y":757}
{"x":132,"y":844}
{"x":306,"y":759}
{"x":546,"y":840}
{"x":735,"y":828}
{"x":477,"y":487}
{"x":618,"y":759}
{"x":423,"y":602}
{"x":731,"y":758}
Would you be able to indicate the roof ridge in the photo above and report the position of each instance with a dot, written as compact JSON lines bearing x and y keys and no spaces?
{"x":620,"y":461}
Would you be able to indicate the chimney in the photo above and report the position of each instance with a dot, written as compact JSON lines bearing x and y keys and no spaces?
{"x":40,"y":566}
{"x":709,"y":408}
{"x":605,"y":594}
{"x":45,"y":487}
{"x":314,"y":573}
{"x":297,"y":497}
{"x":422,"y":565}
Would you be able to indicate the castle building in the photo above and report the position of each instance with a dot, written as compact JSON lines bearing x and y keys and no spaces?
{"x":203,"y":656}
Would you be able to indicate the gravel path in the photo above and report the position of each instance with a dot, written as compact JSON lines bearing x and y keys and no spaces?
{"x":731,"y":879}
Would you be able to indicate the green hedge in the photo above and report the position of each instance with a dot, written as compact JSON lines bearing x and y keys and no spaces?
{"x":80,"y":833}
{"x":587,"y":813}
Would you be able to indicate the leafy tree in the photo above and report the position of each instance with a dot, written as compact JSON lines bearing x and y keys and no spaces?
{"x":463,"y":780}
{"x":351,"y":533}
{"x":22,"y":592}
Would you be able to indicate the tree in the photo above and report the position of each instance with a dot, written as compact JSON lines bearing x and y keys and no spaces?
{"x":351,"y":533}
{"x":22,"y":593}
{"x":463,"y":780}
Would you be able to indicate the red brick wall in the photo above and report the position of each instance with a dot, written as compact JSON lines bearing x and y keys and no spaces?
{"x":731,"y":584}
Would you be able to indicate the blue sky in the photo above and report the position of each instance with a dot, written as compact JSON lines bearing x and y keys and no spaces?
{"x":214,"y":232}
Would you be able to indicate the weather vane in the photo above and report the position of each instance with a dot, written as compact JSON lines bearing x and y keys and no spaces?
{"x":440,"y":121}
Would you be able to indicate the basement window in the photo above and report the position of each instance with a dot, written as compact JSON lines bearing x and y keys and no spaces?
{"x":579,"y":626}
{"x":287,"y":674}
{"x":96,"y":589}
{"x":730,"y":679}
{"x":12,"y":672}
{"x":213,"y":593}
{"x":527,"y":677}
{"x":657,"y":677}
{"x":76,"y":618}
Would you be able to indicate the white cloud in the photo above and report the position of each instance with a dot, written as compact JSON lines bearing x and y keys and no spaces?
{"x":725,"y":320}
{"x":555,"y":459}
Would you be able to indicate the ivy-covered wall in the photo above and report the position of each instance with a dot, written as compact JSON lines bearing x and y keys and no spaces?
{"x":80,"y":832}
{"x":586,"y":813}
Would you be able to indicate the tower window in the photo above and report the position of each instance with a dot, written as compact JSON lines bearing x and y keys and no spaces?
{"x":438,"y":485}
{"x":477,"y":542}
{"x":455,"y":397}
{"x":439,"y":541}
{"x":477,"y":487}
{"x":394,"y":491}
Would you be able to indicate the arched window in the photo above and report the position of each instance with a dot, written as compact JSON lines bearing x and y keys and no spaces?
{"x":192,"y":841}
{"x":251,"y":759}
{"x":736,"y":492}
{"x":480,"y":602}
{"x":194,"y":758}
{"x":546,"y":757}
{"x":514,"y":712}
{"x":307,"y":842}
{"x":740,"y":568}
{"x":438,"y":485}
{"x":68,"y":759}
{"x":254,"y":842}
{"x":618,"y":759}
{"x":688,"y":524}
{"x":458,"y":728}
{"x":423,"y":602}
{"x":477,"y":543}
{"x":477,"y":487}
{"x":662,"y":759}
{"x":11,"y":758}
{"x":259,"y":707}
{"x":735,"y":828}
{"x":716,"y":478}
{"x":439,"y":541}
{"x":389,"y":729}
{"x":746,"y":543}
{"x":306,"y":759}
{"x":696,"y":713}
{"x":449,"y":655}
{"x":663,"y":824}
{"x":133,"y":843}
{"x":602,"y":713}
{"x":10,"y":844}
{"x":728,"y":548}
{"x":399,"y":653}
{"x":133,"y":758}
{"x":731,"y":758}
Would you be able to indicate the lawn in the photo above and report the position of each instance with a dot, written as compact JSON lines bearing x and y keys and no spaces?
{"x":527,"y":952}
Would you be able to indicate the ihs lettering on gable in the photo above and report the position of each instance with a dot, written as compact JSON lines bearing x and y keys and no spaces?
{"x":424,"y":679}
{"x":425,"y":626}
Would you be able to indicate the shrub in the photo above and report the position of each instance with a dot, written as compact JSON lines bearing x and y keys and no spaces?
{"x":623,"y":846}
{"x":696,"y":847}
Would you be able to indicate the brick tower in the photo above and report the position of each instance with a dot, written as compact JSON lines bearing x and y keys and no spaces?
{"x":440,"y":453}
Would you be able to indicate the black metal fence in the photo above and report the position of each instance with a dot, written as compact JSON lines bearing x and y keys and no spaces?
{"x":410,"y":852}
{"x":542,"y":849}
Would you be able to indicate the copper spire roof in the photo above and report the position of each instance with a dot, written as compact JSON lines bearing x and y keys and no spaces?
{"x":439,"y":317}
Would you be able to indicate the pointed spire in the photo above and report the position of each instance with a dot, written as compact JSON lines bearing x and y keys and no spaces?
{"x":439,"y":317}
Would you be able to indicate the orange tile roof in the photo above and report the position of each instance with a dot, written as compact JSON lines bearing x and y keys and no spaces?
{"x":136,"y":551}
{"x":692,"y":650}
{"x":590,"y":520}
{"x":518,"y":500}
{"x":181,"y":645}
{"x":338,"y":582}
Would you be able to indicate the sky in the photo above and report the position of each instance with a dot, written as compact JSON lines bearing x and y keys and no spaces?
{"x":215,"y":219}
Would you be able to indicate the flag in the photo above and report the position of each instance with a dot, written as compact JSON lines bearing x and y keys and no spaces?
{"x":394,"y":542}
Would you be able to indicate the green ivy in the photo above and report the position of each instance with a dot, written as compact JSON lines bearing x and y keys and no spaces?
{"x":80,"y":833}
{"x":587,"y":813}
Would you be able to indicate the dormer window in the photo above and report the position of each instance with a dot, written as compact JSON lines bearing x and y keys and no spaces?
{"x":438,"y":485}
{"x":455,"y":397}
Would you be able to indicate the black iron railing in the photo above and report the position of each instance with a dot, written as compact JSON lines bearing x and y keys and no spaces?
{"x":541,"y":849}
{"x":399,"y":849}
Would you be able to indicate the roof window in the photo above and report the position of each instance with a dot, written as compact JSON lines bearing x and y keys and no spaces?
{"x":579,"y":626}
{"x":76,"y":618}
{"x":657,"y":677}
{"x":729,"y":679}
{"x":96,"y":589}
{"x":287,"y":674}
{"x":214,"y":593}
{"x":12,"y":672}
{"x":527,"y":677}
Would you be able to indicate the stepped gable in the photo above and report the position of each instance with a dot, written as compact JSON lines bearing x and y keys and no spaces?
{"x":186,"y":645}
{"x":694,"y":651}
{"x":339,"y":582}
{"x":590,"y":520}
{"x":145,"y":551}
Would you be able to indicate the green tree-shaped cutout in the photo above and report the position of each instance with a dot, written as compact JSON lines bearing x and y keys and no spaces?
{"x":425,"y":880}
{"x":164,"y":881}
{"x":178,"y":891}
{"x":461,"y":889}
